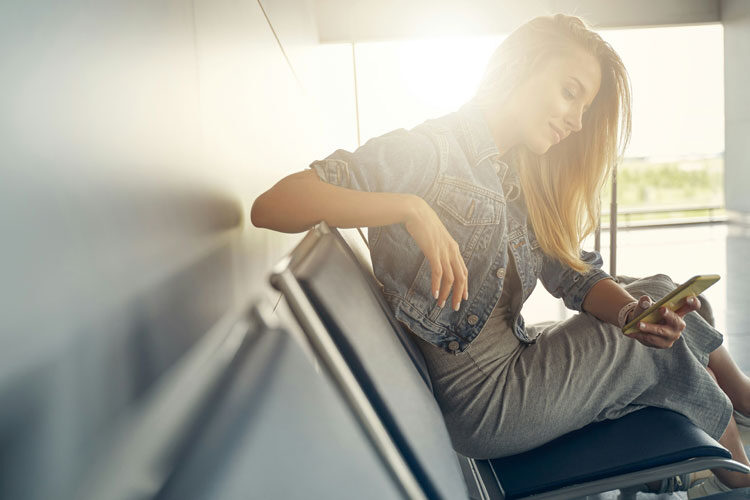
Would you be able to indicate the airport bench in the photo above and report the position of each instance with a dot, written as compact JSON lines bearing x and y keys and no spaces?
{"x":383,"y":377}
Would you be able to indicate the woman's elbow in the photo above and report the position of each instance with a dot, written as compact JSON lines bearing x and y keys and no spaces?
{"x":259,"y":211}
{"x":284,"y":207}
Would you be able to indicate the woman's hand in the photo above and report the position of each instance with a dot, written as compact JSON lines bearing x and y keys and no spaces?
{"x":446,"y":264}
{"x":669,"y":328}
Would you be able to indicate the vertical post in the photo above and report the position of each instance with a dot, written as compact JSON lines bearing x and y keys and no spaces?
{"x":598,"y":232}
{"x":613,"y":225}
{"x":356,"y":114}
{"x":356,"y":93}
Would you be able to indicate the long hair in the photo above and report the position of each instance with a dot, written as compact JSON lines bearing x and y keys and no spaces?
{"x":562,"y":188}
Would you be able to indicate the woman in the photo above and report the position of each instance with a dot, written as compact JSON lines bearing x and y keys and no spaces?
{"x":477,"y":205}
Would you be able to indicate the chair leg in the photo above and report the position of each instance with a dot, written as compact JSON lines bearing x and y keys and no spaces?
{"x":629,"y":493}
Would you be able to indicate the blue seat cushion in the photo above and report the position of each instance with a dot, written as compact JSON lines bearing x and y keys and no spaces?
{"x":640,"y":440}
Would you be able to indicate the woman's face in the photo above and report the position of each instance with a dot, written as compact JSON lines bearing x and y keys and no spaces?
{"x":551,"y":103}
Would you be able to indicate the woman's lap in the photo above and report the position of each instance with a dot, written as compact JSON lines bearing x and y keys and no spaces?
{"x":580,"y":370}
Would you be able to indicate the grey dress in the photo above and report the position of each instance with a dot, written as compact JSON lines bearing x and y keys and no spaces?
{"x":501,"y":397}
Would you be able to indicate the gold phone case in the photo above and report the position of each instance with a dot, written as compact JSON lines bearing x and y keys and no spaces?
{"x":673,"y":300}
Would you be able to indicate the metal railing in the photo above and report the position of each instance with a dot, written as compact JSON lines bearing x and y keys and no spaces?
{"x":716,"y":213}
{"x":614,"y":213}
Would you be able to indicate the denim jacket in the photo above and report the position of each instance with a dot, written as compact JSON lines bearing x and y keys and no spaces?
{"x":452,"y":162}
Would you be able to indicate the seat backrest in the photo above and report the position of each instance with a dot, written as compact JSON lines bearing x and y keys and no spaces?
{"x":352,"y":245}
{"x":382,"y":358}
{"x":112,"y":276}
{"x":269,"y":405}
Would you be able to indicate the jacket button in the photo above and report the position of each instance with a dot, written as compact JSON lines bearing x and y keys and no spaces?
{"x":472,"y":319}
{"x":453,"y":345}
{"x":500,"y":272}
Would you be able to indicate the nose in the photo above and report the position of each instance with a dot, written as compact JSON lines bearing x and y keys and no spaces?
{"x":574,"y":119}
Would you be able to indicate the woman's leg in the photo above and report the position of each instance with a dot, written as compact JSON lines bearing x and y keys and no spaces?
{"x":731,"y":441}
{"x":731,"y":437}
{"x":730,"y":378}
{"x":736,"y":385}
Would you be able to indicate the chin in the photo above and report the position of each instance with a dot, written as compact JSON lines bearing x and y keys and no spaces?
{"x":540,"y":147}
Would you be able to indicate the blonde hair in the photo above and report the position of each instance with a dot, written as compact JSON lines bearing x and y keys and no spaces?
{"x":562,"y":188}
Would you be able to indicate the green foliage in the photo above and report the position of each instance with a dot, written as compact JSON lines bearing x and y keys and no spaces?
{"x":644,"y":184}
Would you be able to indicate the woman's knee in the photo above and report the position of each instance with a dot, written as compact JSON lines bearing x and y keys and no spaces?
{"x":655,"y":286}
{"x":711,"y":372}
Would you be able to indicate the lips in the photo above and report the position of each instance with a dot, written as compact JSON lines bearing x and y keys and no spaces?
{"x":557,"y":132}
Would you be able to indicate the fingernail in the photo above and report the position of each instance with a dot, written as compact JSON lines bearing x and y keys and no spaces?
{"x":691,"y":300}
{"x":435,"y":294}
{"x":456,"y":308}
{"x":641,"y":325}
{"x":442,"y":304}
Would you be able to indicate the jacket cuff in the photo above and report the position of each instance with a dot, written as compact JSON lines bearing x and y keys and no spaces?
{"x":583,"y":285}
{"x":332,"y":171}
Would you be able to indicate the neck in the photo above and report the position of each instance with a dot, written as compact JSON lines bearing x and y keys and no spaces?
{"x":503,"y":128}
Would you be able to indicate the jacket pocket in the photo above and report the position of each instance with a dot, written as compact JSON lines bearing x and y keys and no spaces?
{"x":468,"y":203}
{"x":472,"y":214}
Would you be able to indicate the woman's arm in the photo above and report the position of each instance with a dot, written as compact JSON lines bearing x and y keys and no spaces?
{"x":605,"y":299}
{"x":300,"y":200}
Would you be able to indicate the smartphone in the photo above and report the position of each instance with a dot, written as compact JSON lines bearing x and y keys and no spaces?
{"x":673,"y":300}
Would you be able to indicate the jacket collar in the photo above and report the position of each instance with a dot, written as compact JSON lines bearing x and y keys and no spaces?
{"x":481,"y":148}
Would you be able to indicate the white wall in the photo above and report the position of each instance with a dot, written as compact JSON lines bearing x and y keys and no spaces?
{"x":134,"y":138}
{"x":152,"y":95}
{"x":736,"y":19}
{"x":272,"y":100}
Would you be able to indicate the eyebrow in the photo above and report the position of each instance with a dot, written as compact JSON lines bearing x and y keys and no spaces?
{"x":578,"y":82}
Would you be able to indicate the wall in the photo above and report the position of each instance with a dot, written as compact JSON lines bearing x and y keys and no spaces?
{"x":133,"y":140}
{"x":735,"y":15}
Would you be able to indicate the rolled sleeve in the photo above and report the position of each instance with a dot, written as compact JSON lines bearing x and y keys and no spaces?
{"x":564,"y":282}
{"x":400,"y":161}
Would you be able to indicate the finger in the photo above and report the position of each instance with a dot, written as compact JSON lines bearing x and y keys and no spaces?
{"x":652,"y":339}
{"x":644,"y":302}
{"x":675,"y":323}
{"x":656,"y":329}
{"x":692,"y":303}
{"x":664,"y":334}
{"x":446,"y":256}
{"x":466,"y":285}
{"x":643,"y":338}
{"x":458,"y":285}
{"x":461,"y":286}
{"x":446,"y":284}
{"x":436,"y":271}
